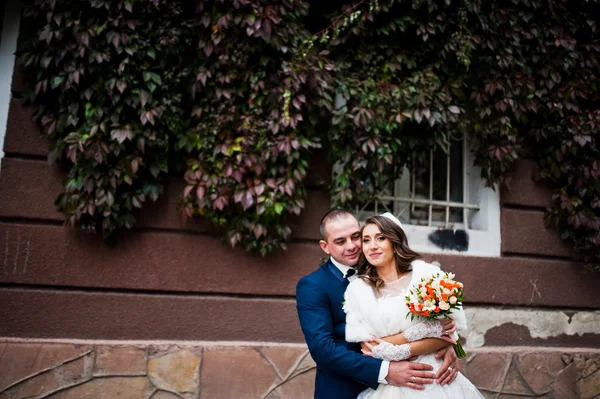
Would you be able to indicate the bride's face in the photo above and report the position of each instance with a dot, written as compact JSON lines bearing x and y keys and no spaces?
{"x":378,"y":250}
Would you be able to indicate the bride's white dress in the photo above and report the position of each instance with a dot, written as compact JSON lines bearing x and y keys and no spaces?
{"x":382,"y":314}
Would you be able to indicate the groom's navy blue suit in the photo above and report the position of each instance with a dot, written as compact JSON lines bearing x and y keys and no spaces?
{"x":342,"y":371}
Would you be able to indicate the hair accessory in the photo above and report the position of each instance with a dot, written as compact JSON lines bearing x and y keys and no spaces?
{"x":392,"y":218}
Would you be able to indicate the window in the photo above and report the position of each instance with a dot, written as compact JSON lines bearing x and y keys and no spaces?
{"x":443,"y":205}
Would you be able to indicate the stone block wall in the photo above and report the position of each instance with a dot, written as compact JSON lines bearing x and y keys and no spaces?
{"x":168,"y":371}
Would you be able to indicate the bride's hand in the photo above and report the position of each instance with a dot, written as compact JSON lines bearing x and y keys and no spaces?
{"x":371,"y":344}
{"x":448,"y":328}
{"x":450,"y":367}
{"x":367,"y":347}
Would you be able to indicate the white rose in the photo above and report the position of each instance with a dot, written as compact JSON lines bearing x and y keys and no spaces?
{"x":446,"y":291}
{"x":451,"y":276}
{"x":453,"y":300}
{"x":423,"y":291}
{"x":429,"y":305}
{"x":444,"y":305}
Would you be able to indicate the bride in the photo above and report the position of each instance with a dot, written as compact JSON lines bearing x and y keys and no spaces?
{"x":375,"y":308}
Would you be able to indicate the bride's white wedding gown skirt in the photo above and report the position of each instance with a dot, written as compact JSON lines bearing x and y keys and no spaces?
{"x":460,"y":388}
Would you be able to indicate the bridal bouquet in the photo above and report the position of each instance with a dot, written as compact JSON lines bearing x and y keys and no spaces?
{"x":434,"y":297}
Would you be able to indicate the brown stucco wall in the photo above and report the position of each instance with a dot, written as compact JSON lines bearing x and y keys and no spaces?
{"x":175,"y":281}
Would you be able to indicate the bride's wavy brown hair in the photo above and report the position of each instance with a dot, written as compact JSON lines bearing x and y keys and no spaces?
{"x":403,"y":255}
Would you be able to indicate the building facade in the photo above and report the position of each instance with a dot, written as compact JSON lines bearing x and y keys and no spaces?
{"x":171,"y":312}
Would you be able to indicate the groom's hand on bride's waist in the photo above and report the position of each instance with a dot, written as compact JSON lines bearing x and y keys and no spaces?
{"x":410,"y":374}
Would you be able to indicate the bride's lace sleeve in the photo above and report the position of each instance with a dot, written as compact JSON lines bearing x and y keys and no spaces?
{"x":387,"y":351}
{"x":357,"y":329}
{"x":425,"y":329}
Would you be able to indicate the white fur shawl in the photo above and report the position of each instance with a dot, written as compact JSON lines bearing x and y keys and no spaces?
{"x":363,"y":319}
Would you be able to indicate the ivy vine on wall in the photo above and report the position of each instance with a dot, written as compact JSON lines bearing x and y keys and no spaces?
{"x":109,"y":80}
{"x":240,"y":93}
{"x":252,"y":120}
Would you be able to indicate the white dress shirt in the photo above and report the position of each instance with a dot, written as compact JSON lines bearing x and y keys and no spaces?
{"x":385,"y":365}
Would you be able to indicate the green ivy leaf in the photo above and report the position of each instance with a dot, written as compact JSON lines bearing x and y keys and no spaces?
{"x":278,"y":208}
{"x":151,"y":86}
{"x":57,"y":81}
{"x":156,"y":78}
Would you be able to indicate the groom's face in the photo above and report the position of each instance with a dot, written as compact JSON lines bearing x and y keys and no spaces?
{"x":343,"y":240}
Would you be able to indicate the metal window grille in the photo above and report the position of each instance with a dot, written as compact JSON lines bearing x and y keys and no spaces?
{"x":434,"y":193}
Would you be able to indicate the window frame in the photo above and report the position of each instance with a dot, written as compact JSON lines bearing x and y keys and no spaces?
{"x":483,"y":224}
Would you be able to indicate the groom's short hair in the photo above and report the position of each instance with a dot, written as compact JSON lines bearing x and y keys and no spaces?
{"x":331,"y":215}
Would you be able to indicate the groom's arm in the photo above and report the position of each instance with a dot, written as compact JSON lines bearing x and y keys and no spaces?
{"x":317,"y":325}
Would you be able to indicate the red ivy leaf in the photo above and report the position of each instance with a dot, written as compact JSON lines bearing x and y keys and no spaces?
{"x":200,"y":192}
{"x":144,"y":97}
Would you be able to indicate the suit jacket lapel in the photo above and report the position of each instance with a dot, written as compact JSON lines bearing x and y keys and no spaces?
{"x":336,"y":272}
{"x":337,"y":286}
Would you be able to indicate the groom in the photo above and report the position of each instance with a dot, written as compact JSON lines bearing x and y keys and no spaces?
{"x":342,"y":371}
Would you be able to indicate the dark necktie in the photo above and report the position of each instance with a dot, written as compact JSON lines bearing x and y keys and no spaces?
{"x":349,"y":273}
